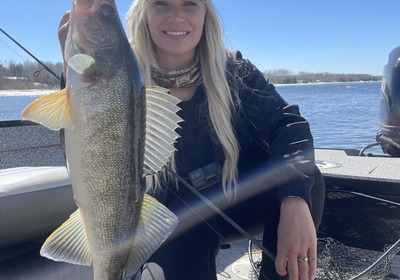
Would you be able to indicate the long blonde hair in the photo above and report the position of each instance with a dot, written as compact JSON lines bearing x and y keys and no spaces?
{"x":213,"y":57}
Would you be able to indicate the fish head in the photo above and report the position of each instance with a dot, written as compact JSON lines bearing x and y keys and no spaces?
{"x":97,"y":36}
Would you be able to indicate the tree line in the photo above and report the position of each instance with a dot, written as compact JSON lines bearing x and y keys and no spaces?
{"x":32,"y":75}
{"x":283,"y":76}
{"x":29,"y":75}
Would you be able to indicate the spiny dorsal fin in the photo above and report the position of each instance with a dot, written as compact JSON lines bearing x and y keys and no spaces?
{"x":161,"y":122}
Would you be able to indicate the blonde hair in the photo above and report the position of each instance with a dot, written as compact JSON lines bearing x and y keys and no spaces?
{"x":213,"y":57}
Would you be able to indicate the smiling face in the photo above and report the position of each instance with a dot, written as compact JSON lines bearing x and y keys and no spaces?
{"x":176,"y":27}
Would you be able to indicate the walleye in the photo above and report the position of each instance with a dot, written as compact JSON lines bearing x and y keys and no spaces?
{"x":116,"y":131}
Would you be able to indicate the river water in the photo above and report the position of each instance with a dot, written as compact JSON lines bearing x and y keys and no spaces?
{"x":341,"y":115}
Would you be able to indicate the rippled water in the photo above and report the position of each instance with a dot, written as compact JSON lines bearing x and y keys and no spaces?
{"x":341,"y":115}
{"x":13,"y":102}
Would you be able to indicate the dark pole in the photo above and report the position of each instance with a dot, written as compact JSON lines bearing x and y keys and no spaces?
{"x":22,"y":47}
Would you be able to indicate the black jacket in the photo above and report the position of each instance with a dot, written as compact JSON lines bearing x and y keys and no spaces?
{"x":276,"y":145}
{"x":268,"y":123}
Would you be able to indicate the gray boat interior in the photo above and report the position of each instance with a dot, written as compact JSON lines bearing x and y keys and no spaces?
{"x":363,"y":198}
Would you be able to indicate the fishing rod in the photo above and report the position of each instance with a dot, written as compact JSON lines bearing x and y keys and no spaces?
{"x":222,"y":214}
{"x":28,"y":52}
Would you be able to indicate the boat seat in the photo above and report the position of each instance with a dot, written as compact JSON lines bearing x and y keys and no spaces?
{"x":34,"y":201}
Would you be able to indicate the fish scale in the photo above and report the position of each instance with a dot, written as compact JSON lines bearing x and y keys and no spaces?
{"x":103,"y":110}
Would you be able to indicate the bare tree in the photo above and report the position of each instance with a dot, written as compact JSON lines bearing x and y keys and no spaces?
{"x":283,"y":76}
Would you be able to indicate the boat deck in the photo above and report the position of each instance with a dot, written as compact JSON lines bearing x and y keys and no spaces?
{"x":348,"y":165}
{"x":29,"y":145}
{"x":232,"y":264}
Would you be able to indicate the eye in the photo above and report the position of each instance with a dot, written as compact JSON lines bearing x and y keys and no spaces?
{"x":161,"y":3}
{"x":190,"y":3}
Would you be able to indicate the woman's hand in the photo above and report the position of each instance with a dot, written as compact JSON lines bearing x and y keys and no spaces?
{"x":297,"y":239}
{"x":62,"y":34}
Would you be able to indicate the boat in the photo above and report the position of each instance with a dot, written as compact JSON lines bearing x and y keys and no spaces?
{"x":360,"y":228}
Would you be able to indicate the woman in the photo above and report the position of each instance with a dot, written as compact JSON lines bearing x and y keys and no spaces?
{"x":234,"y":118}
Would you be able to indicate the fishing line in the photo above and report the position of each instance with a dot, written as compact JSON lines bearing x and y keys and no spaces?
{"x":221,"y":214}
{"x":207,"y":223}
{"x":28,"y":52}
{"x":195,"y":212}
{"x":364,"y":195}
{"x":7,"y":45}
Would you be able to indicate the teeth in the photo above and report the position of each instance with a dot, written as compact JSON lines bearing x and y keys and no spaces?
{"x":176,"y":33}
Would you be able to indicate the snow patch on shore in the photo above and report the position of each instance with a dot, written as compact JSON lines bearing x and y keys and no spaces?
{"x":29,"y":92}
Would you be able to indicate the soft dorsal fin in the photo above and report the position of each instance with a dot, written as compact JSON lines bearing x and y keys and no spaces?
{"x":161,"y":122}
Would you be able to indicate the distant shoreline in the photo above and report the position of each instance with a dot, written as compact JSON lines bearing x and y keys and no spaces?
{"x":24,"y":92}
{"x":322,"y":83}
{"x":40,"y":92}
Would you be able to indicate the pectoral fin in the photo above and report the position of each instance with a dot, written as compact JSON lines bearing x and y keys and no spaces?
{"x":82,"y":64}
{"x":156,"y":223}
{"x":52,"y":111}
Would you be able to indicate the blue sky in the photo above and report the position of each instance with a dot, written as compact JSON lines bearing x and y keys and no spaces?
{"x":339,"y":36}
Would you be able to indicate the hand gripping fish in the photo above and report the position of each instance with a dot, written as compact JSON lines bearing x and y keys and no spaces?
{"x":116,"y":131}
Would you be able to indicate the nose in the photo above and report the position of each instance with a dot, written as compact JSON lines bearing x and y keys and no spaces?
{"x":175,"y":14}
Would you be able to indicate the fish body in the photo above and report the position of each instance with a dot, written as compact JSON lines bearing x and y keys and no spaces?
{"x":106,"y":117}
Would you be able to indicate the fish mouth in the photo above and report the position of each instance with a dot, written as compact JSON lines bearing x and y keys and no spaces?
{"x":105,"y":7}
{"x":96,"y":24}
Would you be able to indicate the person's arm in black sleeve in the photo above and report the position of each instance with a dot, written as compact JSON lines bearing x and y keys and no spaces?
{"x":283,"y":131}
{"x":288,"y":139}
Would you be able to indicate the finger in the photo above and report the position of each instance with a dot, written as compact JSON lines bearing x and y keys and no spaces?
{"x":312,"y":263}
{"x":280,"y":264}
{"x":63,"y":32}
{"x":65,"y":18}
{"x":293,"y":267}
{"x":63,"y":29}
{"x":303,"y":269}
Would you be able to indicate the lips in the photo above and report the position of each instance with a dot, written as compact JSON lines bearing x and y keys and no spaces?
{"x":176,"y":33}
